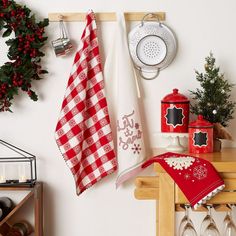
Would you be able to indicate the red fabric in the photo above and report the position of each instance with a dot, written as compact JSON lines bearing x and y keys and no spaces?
{"x":83,"y":132}
{"x":194,"y":176}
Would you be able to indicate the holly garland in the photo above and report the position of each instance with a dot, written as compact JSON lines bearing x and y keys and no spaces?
{"x":24,"y":51}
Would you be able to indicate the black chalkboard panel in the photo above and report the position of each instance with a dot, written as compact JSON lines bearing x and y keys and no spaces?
{"x":200,"y":139}
{"x":174,"y":116}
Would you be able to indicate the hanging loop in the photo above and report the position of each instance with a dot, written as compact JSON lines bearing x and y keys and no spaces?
{"x":151,"y":15}
{"x":148,"y":78}
{"x":63,"y":33}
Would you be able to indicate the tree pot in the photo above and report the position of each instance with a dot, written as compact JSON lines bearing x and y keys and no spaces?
{"x":216,"y":145}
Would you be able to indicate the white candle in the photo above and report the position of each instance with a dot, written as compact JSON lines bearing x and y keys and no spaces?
{"x":22,"y":179}
{"x":21,"y":172}
{"x":3,"y":174}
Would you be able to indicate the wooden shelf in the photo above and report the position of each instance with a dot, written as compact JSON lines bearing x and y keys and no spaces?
{"x":13,"y":188}
{"x":224,"y":161}
{"x":100,"y":16}
{"x":36,"y":192}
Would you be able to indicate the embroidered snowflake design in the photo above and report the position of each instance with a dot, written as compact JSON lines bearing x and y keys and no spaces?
{"x":200,"y":172}
{"x":187,"y":176}
{"x":179,"y":163}
{"x":136,"y":148}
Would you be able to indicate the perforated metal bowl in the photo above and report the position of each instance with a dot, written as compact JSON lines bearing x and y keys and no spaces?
{"x":151,"y":50}
{"x":152,"y":46}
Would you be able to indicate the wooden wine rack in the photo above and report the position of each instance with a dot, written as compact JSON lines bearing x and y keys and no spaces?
{"x":170,"y":198}
{"x":35,"y":192}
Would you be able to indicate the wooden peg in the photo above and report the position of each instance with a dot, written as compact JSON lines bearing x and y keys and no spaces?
{"x":60,"y":17}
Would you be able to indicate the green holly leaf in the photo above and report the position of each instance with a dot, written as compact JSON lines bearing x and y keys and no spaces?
{"x":36,"y":45}
{"x":33,"y":95}
{"x":4,"y":79}
{"x":1,"y":25}
{"x":10,"y":41}
{"x":43,"y":23}
{"x":13,"y":91}
{"x":43,"y":72}
{"x":7,"y":33}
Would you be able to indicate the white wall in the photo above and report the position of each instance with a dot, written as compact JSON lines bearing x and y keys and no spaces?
{"x":200,"y":26}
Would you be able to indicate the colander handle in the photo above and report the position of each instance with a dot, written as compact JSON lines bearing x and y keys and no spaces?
{"x":152,"y":15}
{"x":148,"y":78}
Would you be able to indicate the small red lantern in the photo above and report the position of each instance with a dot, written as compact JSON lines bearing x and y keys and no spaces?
{"x":200,"y":136}
{"x":175,"y":113}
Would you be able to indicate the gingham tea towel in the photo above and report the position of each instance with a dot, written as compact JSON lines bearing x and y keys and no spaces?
{"x":123,"y":101}
{"x":83,"y":132}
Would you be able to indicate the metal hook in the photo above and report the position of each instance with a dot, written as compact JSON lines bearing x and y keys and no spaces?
{"x":152,"y":15}
{"x":60,"y":17}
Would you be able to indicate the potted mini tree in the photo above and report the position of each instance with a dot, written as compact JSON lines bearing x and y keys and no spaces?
{"x":212,"y":100}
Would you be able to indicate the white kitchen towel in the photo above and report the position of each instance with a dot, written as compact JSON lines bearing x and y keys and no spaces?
{"x":122,"y":95}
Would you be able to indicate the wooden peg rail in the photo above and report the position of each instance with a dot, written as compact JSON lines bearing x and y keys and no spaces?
{"x":101,"y":16}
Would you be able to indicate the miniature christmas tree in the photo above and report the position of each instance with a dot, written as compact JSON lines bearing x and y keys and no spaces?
{"x":213,"y":98}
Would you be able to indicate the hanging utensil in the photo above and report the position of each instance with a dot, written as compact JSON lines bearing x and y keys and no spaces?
{"x":152,"y":46}
{"x":62,"y":45}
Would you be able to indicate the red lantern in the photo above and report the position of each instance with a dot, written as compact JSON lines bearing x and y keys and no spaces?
{"x":175,"y":113}
{"x":200,"y":136}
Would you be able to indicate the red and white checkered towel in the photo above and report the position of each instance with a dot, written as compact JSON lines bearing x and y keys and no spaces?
{"x":83,"y":132}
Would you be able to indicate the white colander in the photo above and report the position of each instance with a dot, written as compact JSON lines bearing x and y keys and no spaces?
{"x":152,"y":46}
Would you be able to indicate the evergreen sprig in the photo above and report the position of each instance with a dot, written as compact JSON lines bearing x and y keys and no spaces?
{"x":24,"y":51}
{"x":212,"y":100}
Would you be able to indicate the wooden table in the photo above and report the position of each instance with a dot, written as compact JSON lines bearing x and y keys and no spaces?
{"x":168,"y":196}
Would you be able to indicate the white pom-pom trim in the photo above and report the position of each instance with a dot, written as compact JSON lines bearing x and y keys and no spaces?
{"x":209,"y":196}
